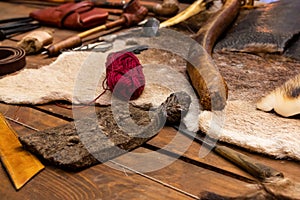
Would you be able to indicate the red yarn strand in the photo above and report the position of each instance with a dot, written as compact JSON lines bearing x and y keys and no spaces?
{"x":124,"y":70}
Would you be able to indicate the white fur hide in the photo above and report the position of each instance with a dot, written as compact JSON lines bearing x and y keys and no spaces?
{"x":256,"y":130}
{"x":77,"y":77}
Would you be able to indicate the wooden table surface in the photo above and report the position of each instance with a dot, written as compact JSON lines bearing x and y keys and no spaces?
{"x":186,"y":178}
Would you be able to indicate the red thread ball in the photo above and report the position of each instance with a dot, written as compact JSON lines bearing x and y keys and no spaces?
{"x":124,"y":74}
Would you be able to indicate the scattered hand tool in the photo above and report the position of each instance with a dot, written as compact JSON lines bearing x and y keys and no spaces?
{"x":132,"y":15}
{"x":9,"y":27}
{"x":148,"y":29}
{"x":167,"y":8}
{"x":20,"y":164}
{"x":256,"y":169}
{"x":274,"y":183}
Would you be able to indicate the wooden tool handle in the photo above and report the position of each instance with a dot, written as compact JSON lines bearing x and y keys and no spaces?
{"x":68,"y":43}
{"x":258,"y":170}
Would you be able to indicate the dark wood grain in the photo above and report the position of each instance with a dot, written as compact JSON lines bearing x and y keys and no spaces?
{"x":99,"y":182}
{"x":288,"y":167}
{"x":181,"y":174}
{"x":165,"y":136}
{"x":186,"y":176}
{"x":176,"y":174}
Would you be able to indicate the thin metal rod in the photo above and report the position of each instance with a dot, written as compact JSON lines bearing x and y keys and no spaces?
{"x":155,"y":180}
{"x":21,"y":123}
{"x":210,"y":142}
{"x":121,"y":165}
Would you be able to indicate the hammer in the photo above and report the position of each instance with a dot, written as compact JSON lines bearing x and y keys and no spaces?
{"x":132,"y":15}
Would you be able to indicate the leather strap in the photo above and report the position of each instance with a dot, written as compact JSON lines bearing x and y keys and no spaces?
{"x":11,"y":59}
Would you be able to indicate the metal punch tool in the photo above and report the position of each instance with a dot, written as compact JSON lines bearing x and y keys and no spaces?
{"x":10,"y":27}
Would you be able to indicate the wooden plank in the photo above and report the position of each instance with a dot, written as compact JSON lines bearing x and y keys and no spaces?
{"x":212,"y":159}
{"x":209,"y":178}
{"x":86,"y":183}
{"x":99,"y":182}
{"x":288,"y":167}
{"x":164,"y":137}
{"x":185,"y":176}
{"x":8,"y":10}
{"x":104,"y":183}
{"x":159,"y":141}
{"x":31,"y":117}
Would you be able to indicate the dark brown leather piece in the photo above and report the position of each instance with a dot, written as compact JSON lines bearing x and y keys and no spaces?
{"x":11,"y":59}
{"x":81,"y":15}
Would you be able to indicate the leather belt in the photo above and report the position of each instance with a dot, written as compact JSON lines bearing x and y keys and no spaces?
{"x":11,"y":59}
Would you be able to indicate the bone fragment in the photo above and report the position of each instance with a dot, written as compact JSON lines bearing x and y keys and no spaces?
{"x":285,"y":100}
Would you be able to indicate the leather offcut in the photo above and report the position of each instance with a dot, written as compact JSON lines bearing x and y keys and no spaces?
{"x":75,"y":16}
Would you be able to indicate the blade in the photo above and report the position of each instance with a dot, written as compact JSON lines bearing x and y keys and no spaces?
{"x":20,"y":165}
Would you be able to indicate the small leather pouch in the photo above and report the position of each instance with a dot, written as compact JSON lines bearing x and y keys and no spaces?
{"x":76,"y":16}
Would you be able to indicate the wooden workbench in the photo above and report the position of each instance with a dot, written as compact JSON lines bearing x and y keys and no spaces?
{"x":185,"y":178}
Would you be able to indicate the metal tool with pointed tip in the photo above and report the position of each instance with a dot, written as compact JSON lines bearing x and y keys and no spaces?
{"x":132,"y":15}
{"x":253,"y":167}
{"x":10,"y":27}
{"x":274,"y":184}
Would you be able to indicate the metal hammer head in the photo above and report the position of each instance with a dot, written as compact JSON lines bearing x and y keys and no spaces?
{"x":148,"y":28}
{"x":151,"y":27}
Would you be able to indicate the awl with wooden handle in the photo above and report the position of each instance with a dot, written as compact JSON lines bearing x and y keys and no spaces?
{"x":20,"y":165}
{"x":132,"y":15}
{"x":260,"y":171}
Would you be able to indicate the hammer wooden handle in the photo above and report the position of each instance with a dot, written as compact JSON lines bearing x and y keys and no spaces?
{"x":256,"y":169}
{"x":68,"y":43}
